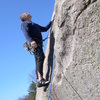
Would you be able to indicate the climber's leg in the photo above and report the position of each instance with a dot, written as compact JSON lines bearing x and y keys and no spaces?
{"x":39,"y":57}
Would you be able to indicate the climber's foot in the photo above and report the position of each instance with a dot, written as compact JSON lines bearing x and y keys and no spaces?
{"x":42,"y":82}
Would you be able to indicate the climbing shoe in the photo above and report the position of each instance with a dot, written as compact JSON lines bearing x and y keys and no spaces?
{"x":42,"y":82}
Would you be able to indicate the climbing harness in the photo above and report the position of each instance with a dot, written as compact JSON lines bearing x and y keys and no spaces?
{"x":51,"y":81}
{"x":28,"y":47}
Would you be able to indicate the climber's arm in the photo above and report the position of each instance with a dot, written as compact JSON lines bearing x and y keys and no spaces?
{"x":44,"y":29}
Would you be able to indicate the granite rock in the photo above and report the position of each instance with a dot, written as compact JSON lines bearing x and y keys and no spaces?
{"x":75,"y":41}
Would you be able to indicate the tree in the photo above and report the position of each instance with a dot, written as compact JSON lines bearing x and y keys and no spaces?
{"x":32,"y":92}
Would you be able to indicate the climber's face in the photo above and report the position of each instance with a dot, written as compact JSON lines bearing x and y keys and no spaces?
{"x":29,"y":17}
{"x":26,"y":16}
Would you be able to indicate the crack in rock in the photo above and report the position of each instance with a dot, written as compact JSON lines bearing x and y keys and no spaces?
{"x":86,"y":5}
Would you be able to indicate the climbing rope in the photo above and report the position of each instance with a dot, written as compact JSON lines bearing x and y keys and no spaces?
{"x":54,"y":94}
{"x":51,"y":81}
{"x":52,"y":66}
{"x":45,"y":38}
{"x":53,"y":88}
{"x":72,"y":87}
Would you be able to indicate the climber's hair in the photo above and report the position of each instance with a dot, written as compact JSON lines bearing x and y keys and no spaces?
{"x":22,"y":17}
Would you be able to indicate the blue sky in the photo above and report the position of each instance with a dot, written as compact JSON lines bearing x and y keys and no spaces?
{"x":16,"y":64}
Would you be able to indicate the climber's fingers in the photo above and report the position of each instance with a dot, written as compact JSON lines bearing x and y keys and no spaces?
{"x":53,"y":19}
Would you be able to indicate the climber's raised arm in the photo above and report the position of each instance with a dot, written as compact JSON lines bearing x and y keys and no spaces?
{"x":44,"y":29}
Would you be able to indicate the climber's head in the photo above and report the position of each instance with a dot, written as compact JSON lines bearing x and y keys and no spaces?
{"x":25,"y":16}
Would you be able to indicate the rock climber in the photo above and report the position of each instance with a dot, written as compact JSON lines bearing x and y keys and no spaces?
{"x":32,"y":32}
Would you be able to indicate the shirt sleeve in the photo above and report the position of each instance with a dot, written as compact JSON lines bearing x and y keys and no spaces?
{"x":44,"y":29}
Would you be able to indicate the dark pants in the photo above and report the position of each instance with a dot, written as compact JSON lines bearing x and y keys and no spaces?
{"x":39,"y":58}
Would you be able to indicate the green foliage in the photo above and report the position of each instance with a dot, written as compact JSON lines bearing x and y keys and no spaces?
{"x":32,"y":92}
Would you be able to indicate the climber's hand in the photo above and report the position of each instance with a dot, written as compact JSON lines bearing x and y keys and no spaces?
{"x":53,"y":17}
{"x":33,"y":44}
{"x":52,"y":20}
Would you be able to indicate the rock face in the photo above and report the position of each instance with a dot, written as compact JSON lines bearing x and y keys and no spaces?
{"x":75,"y":40}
